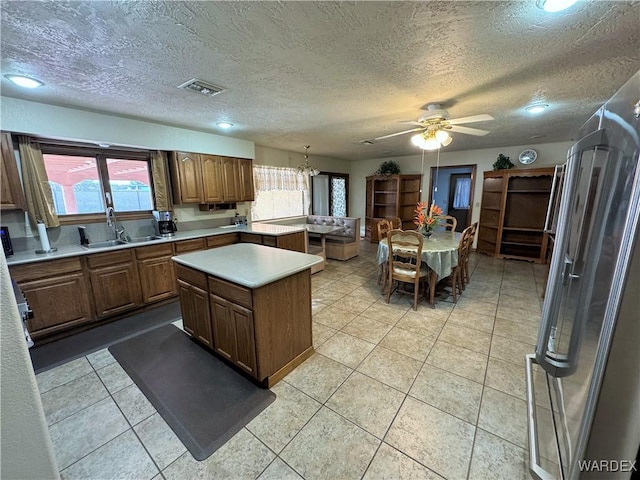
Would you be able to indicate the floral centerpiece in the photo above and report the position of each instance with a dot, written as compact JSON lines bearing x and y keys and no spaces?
{"x":426,"y":217}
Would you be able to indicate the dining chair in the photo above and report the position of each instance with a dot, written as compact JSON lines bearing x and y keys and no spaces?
{"x":458,"y":272}
{"x":384,"y":227}
{"x":448,"y":222}
{"x":404,"y":261}
{"x":466,"y":276}
{"x":396,"y":222}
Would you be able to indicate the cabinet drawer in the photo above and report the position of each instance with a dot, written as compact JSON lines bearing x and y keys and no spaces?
{"x":109,"y":258}
{"x":36,"y":270}
{"x":230,"y":291}
{"x":191,"y":276}
{"x":154,"y":251}
{"x":189,"y":245}
{"x":222,"y":240}
{"x":269,"y":241}
{"x":251,"y":238}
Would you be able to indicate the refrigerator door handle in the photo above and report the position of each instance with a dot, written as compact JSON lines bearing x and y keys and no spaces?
{"x":547,"y":227}
{"x":568,"y":263}
{"x":536,"y":469}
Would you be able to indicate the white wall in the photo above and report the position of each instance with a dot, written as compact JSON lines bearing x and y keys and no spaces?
{"x":26,"y":445}
{"x":282,"y":158}
{"x":549,"y":154}
{"x":79,"y":125}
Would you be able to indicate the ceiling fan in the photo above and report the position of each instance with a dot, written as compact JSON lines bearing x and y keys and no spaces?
{"x":434,"y":126}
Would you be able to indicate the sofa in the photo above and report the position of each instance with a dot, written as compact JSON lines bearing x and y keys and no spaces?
{"x":341,"y":245}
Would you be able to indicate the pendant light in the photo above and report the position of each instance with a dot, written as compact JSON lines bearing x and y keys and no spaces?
{"x":306,"y":168}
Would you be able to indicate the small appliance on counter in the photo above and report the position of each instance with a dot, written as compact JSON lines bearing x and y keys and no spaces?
{"x":6,"y":241}
{"x":240,"y":220}
{"x":165,"y":226}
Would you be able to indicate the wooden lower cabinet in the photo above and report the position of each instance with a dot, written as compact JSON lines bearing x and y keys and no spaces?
{"x":196,"y":319}
{"x":114,"y":282}
{"x":263,"y":337}
{"x":233,"y":334}
{"x":156,"y":271}
{"x":296,"y":241}
{"x":57,"y":292}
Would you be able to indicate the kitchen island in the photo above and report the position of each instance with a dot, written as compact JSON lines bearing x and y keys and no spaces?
{"x":251,"y":305}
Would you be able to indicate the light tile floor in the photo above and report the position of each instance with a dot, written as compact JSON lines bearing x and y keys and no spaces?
{"x":390,"y":393}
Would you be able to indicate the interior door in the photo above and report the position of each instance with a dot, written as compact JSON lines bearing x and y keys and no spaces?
{"x":460,"y":199}
{"x":330,"y":194}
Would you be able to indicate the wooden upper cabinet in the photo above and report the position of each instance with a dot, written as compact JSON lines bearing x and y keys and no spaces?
{"x":212,"y":178}
{"x":11,"y":194}
{"x":231,"y":179}
{"x":246,"y":180}
{"x":206,"y":179}
{"x":186,"y":176}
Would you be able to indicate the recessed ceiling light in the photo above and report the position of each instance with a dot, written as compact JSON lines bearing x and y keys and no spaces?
{"x":22,"y":81}
{"x":554,"y":5}
{"x":224,"y":125}
{"x":537,"y":108}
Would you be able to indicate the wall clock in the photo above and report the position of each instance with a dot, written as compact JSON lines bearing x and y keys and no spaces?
{"x":528,"y":156}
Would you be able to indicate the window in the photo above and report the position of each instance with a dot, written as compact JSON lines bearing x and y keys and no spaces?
{"x":86,"y":180}
{"x":280,"y":192}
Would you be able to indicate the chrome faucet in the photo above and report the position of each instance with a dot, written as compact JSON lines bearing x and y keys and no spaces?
{"x":112,"y":222}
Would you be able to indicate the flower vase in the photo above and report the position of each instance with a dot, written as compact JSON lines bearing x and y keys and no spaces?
{"x":426,"y":233}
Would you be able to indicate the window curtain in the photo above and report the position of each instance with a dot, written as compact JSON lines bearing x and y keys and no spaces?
{"x":462,"y":194}
{"x":283,"y":185}
{"x":37,"y":190}
{"x":161,"y":184}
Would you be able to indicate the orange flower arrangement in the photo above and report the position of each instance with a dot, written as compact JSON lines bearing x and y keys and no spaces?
{"x":425,"y":216}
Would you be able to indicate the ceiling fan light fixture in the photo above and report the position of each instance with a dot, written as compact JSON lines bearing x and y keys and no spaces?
{"x":442,"y":136}
{"x":554,"y":5}
{"x":425,"y":142}
{"x":447,"y":142}
{"x":224,"y":125}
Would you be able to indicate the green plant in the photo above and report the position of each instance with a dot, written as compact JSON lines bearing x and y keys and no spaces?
{"x":388,"y":168}
{"x":502,"y":163}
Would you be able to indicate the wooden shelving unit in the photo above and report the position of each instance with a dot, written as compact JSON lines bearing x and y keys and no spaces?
{"x":390,"y":196}
{"x":514,"y":205}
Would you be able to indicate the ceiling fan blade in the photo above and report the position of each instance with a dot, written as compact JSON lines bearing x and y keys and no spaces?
{"x":399,"y":133}
{"x":467,"y":130}
{"x":473,"y":118}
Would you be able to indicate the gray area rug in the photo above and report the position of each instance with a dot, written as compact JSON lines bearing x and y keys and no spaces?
{"x":204,"y":401}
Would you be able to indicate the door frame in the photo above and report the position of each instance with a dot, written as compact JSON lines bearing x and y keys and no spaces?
{"x":473,"y":167}
{"x":330,"y":175}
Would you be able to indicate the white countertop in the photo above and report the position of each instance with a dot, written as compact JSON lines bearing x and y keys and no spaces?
{"x":66,"y":251}
{"x":248,"y":264}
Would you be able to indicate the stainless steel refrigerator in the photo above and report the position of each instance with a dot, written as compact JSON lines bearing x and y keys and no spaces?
{"x":583,"y":381}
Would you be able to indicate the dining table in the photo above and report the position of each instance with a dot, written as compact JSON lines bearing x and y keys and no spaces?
{"x":322,"y":230}
{"x":439,"y":252}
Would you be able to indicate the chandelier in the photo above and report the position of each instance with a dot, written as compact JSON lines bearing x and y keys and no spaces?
{"x":306,"y":168}
{"x":431,"y":139}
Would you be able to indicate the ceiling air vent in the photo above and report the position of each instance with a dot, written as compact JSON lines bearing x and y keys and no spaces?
{"x":199,"y":86}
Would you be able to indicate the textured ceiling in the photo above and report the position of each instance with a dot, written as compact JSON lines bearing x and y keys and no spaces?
{"x":327,"y":74}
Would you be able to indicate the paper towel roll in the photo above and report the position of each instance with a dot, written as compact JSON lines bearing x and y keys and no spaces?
{"x":44,"y":239}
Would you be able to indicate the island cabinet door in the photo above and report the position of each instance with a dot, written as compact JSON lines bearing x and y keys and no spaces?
{"x":233,"y":333}
{"x":245,"y":339}
{"x":224,"y":341}
{"x":196,"y":318}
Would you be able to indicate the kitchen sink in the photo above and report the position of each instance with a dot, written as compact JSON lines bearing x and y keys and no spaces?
{"x":105,"y":244}
{"x":148,"y":238}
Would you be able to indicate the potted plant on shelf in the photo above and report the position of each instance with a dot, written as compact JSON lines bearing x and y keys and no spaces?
{"x":426,"y":218}
{"x":388,"y":168}
{"x":502,"y":163}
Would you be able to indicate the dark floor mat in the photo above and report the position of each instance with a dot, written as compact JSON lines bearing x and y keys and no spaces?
{"x":204,"y":401}
{"x":49,"y":355}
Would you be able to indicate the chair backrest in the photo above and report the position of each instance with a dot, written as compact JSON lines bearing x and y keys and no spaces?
{"x":396,"y":222}
{"x":405,"y":253}
{"x":448,"y":222}
{"x":384,"y":227}
{"x":466,"y":241}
